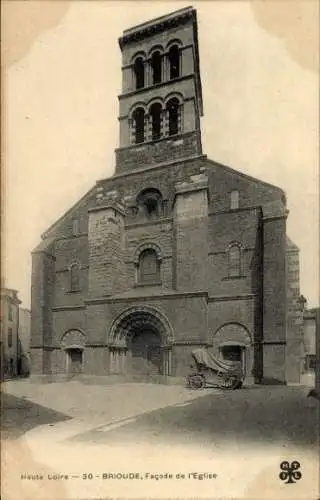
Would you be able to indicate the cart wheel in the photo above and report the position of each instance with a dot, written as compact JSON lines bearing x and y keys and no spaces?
{"x":228,"y":382}
{"x":196,"y":382}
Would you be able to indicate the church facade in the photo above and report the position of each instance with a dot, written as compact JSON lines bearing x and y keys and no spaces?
{"x":172,"y":252}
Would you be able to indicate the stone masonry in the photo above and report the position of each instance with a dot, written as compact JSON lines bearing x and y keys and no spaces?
{"x":172,"y":252}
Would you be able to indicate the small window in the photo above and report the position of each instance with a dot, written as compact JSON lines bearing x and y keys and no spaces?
{"x":10,"y":312}
{"x":155,"y":113}
{"x":149,"y":268}
{"x":156,"y":67}
{"x":9,"y":337}
{"x":138,"y":69}
{"x":150,"y":200}
{"x":74,"y":278}
{"x":138,"y":124}
{"x":234,"y":261}
{"x":234,"y":199}
{"x":75,"y":227}
{"x":174,"y":62}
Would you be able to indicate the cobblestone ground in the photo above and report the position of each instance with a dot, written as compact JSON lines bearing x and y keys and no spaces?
{"x":214,"y":444}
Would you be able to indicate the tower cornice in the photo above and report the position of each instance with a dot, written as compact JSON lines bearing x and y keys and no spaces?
{"x":157,"y":25}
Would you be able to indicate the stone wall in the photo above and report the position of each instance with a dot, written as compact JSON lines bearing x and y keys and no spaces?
{"x":294,"y":345}
{"x":153,"y":153}
{"x":196,"y":294}
{"x":252,"y":192}
{"x":274,"y":298}
{"x":106,"y":242}
{"x":226,"y":228}
{"x":191,"y":236}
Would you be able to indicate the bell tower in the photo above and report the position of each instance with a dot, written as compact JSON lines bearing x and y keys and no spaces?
{"x":161,"y":101}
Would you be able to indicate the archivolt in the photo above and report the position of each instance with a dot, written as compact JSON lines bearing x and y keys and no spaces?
{"x":135,"y":318}
{"x":145,"y":246}
{"x":73,"y":338}
{"x":232,"y":334}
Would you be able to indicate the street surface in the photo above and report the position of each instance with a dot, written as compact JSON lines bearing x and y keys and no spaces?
{"x":72,"y":440}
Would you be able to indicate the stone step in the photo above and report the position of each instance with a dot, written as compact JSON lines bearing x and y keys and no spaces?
{"x":109,"y":379}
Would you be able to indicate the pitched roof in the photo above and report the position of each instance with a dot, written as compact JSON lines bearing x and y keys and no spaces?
{"x":243,"y":175}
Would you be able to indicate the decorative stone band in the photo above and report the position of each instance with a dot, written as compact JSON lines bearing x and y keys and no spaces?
{"x":44,"y":347}
{"x":124,"y":347}
{"x":273,"y":342}
{"x":171,"y":295}
{"x":192,"y":342}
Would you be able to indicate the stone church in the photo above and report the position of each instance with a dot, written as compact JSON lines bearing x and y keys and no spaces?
{"x":174,"y":251}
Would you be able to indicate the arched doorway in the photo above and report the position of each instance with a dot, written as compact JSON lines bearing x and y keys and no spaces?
{"x":140,"y":342}
{"x":73,"y":343}
{"x":146,"y":355}
{"x":232,"y":341}
{"x":74,"y":360}
{"x":234,"y":352}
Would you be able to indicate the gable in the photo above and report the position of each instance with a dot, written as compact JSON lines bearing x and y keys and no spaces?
{"x":63,"y":227}
{"x":252,"y":192}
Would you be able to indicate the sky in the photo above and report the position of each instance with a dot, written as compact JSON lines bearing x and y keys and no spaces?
{"x":62,"y":76}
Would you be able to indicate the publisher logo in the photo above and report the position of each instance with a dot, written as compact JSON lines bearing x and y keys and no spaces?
{"x":290,"y":472}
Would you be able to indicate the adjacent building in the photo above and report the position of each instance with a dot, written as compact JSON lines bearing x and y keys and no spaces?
{"x":24,"y":334}
{"x":311,"y":351}
{"x":175,"y":250}
{"x":15,"y":336}
{"x":9,"y":332}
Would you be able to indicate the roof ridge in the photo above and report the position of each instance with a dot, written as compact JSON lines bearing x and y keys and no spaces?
{"x":246,"y":176}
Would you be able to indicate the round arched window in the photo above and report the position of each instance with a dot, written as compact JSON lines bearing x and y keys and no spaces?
{"x":151,"y":202}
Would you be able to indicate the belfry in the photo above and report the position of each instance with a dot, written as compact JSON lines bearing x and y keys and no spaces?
{"x":161,"y":97}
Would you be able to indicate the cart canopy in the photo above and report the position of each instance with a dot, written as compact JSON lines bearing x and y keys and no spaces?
{"x":206,"y":359}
